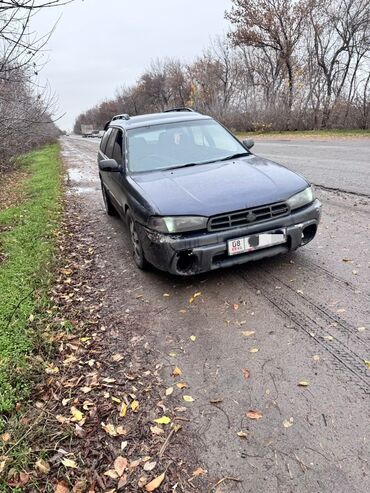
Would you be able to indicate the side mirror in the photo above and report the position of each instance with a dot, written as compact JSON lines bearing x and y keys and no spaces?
{"x":248,"y":143}
{"x":109,"y":165}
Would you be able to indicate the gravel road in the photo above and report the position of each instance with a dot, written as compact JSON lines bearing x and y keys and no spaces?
{"x":260,"y":330}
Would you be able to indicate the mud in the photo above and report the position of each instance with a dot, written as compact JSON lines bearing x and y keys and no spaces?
{"x":303,"y":317}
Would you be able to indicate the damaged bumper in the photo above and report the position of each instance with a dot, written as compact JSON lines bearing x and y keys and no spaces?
{"x":201,"y":252}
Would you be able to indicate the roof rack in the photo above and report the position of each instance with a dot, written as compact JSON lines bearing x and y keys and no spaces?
{"x":179,"y":109}
{"x":124,"y":116}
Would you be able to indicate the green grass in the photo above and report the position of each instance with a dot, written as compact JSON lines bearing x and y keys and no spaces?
{"x":28,"y":241}
{"x":311,"y":133}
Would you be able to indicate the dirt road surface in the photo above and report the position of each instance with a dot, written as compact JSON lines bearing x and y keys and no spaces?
{"x":260,"y":330}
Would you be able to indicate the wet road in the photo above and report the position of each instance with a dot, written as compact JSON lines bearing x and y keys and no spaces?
{"x":343,"y":165}
{"x":259,"y":330}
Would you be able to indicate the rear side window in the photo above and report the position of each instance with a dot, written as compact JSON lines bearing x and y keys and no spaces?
{"x":110,"y":145}
{"x":104,"y":140}
{"x":117,"y":147}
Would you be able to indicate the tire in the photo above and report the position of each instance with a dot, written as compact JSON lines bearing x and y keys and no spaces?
{"x":109,"y":207}
{"x":138,"y":252}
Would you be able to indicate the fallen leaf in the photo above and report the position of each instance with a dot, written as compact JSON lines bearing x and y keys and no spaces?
{"x":117,"y":357}
{"x":111,"y":474}
{"x":61,"y":487}
{"x":123,"y":410}
{"x":188,"y":398}
{"x":149,"y":466}
{"x":246,"y":373}
{"x":254,"y":415}
{"x":303,"y":383}
{"x":248,"y":333}
{"x":176,"y":372}
{"x":86,"y":390}
{"x":182,"y":385}
{"x":194,"y":297}
{"x":198,"y":472}
{"x":51,"y":369}
{"x":236,"y":306}
{"x":112,"y":430}
{"x":287,"y":423}
{"x":120,"y":465}
{"x":164,"y":420}
{"x":69,"y":463}
{"x":254,"y":350}
{"x":153,"y":485}
{"x":169,"y":391}
{"x":122,"y":482}
{"x":77,"y":415}
{"x":156,"y":430}
{"x":182,"y":311}
{"x":62,"y":419}
{"x":42,"y":466}
{"x":193,"y":338}
{"x":135,"y":406}
{"x":142,"y":481}
{"x":166,"y":295}
{"x":347,"y":260}
{"x":242,"y":434}
{"x":367,"y":363}
{"x":5,"y":437}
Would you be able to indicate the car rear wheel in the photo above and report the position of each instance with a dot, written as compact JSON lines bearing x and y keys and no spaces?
{"x":138,"y":252}
{"x":109,"y":208}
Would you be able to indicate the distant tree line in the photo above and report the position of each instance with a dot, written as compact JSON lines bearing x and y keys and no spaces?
{"x":25,"y":107}
{"x":286,"y":65}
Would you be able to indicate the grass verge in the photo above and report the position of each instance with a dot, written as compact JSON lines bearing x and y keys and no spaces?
{"x":27,"y":246}
{"x":326,"y":133}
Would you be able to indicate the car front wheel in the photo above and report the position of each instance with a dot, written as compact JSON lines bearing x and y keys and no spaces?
{"x":138,"y":252}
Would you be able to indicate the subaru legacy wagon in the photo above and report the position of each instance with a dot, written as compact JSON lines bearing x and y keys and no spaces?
{"x":195,"y":198}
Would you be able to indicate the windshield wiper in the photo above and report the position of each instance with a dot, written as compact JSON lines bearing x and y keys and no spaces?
{"x":187,"y":165}
{"x":233,"y":156}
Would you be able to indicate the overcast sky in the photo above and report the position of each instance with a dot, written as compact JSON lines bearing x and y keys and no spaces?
{"x":100,"y":45}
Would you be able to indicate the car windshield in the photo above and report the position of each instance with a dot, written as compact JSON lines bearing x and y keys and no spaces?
{"x":173,"y":145}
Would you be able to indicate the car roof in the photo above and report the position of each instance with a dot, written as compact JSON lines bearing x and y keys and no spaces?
{"x":157,"y":119}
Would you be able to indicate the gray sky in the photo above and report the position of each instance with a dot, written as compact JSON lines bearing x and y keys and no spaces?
{"x":100,"y":45}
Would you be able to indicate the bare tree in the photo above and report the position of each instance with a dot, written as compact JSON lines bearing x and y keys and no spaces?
{"x":276,"y":25}
{"x":341,"y":35}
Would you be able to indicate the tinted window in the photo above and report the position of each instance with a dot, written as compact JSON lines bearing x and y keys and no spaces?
{"x":117,"y":147}
{"x":104,"y":140}
{"x":110,"y":145}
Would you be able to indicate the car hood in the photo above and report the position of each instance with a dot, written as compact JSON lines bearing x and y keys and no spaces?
{"x":214,"y":188}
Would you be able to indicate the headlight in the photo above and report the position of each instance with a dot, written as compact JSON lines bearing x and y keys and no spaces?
{"x":177,"y":224}
{"x":302,"y":198}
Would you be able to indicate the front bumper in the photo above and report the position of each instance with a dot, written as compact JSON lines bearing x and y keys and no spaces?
{"x":195,"y":253}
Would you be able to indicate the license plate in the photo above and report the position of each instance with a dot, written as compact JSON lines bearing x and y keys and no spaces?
{"x":256,"y":242}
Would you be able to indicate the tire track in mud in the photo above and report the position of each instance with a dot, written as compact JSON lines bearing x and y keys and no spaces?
{"x":322,"y":310}
{"x":313,"y":267}
{"x":313,"y":320}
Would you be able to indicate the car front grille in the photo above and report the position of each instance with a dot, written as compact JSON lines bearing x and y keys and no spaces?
{"x":247,"y":217}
